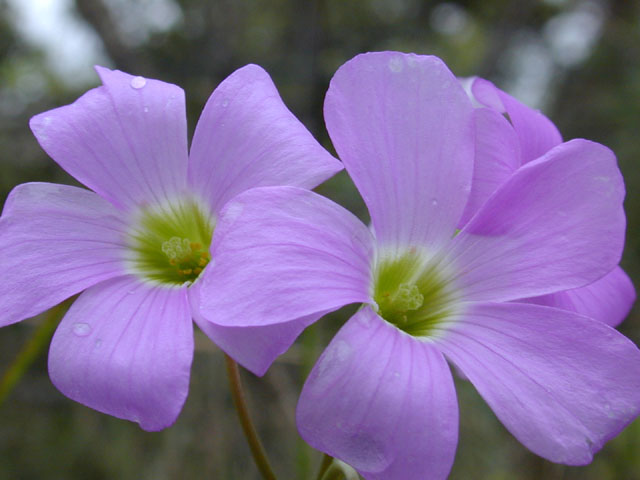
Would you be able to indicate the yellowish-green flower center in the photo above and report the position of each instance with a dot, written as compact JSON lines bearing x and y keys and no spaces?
{"x":412,"y":293}
{"x":169,"y":244}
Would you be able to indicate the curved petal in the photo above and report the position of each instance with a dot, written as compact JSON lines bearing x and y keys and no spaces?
{"x":125,"y":348}
{"x":497,"y":156}
{"x":283,"y":253}
{"x":608,"y":300}
{"x":402,"y":125}
{"x":536,"y":132}
{"x":561,"y":383}
{"x":556,"y":224}
{"x":55,"y":241}
{"x":382,"y":401}
{"x":126,"y":140}
{"x":246,"y":137}
{"x":255,"y":348}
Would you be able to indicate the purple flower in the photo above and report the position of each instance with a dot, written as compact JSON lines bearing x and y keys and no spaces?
{"x":139,"y":243}
{"x":381,"y":396}
{"x":505,"y":144}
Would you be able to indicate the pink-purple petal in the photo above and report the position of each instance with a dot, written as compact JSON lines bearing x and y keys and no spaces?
{"x":497,"y":156}
{"x":125,"y":349}
{"x":283,"y":253}
{"x":608,"y":300}
{"x":563,"y":384}
{"x":382,"y":401}
{"x":55,"y":241}
{"x":126,"y":140}
{"x":255,"y":348}
{"x":536,"y":132}
{"x":246,"y":137}
{"x":556,"y":224}
{"x":402,"y":125}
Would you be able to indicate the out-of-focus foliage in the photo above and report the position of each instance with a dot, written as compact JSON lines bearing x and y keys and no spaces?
{"x":578,"y":60}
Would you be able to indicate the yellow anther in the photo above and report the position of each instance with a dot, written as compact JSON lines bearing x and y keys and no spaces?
{"x":202,"y":262}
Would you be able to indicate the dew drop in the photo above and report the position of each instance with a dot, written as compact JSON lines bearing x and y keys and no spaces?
{"x":434,"y":202}
{"x":98,"y":343}
{"x":232,"y":212}
{"x":331,"y":363}
{"x":146,"y":109}
{"x":81,"y":329}
{"x":360,"y":449}
{"x":138,"y":82}
{"x":225,"y":102}
{"x":364,"y":318}
{"x":608,"y":410}
{"x":395,"y":64}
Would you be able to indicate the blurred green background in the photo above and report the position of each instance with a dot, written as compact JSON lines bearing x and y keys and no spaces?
{"x":579,"y":61}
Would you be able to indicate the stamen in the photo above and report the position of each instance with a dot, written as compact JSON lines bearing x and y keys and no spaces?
{"x":186,"y":256}
{"x":413,"y":293}
{"x":177,"y":248}
{"x":169,"y":244}
{"x":408,"y":297}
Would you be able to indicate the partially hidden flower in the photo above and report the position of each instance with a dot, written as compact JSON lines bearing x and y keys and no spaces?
{"x":137,"y":244}
{"x":381,"y":397}
{"x":510,"y":134}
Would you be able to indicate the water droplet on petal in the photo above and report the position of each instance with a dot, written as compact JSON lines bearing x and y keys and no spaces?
{"x":331,"y":362}
{"x":396,"y":64}
{"x":98,"y":343}
{"x":361,"y":448}
{"x":146,"y":109}
{"x":225,"y":102}
{"x":138,"y":82}
{"x":232,"y":212}
{"x":81,"y":329}
{"x":434,"y":202}
{"x":365,"y":319}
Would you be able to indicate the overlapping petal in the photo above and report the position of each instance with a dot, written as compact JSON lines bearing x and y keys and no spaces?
{"x":126,"y":140}
{"x":556,"y":224}
{"x":55,"y":241}
{"x":563,"y":384}
{"x":255,"y":348}
{"x":608,"y":300}
{"x":497,"y":157}
{"x":283,"y":253}
{"x":246,"y":137}
{"x":536,"y":132}
{"x":402,"y":125}
{"x":125,"y":348}
{"x":381,"y":401}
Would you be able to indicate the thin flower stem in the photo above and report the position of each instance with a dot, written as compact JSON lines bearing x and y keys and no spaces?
{"x":31,"y":350}
{"x":324,"y":466}
{"x":257,"y":450}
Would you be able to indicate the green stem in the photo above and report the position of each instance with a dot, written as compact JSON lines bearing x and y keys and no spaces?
{"x":257,"y":450}
{"x":324,"y":466}
{"x":31,"y":350}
